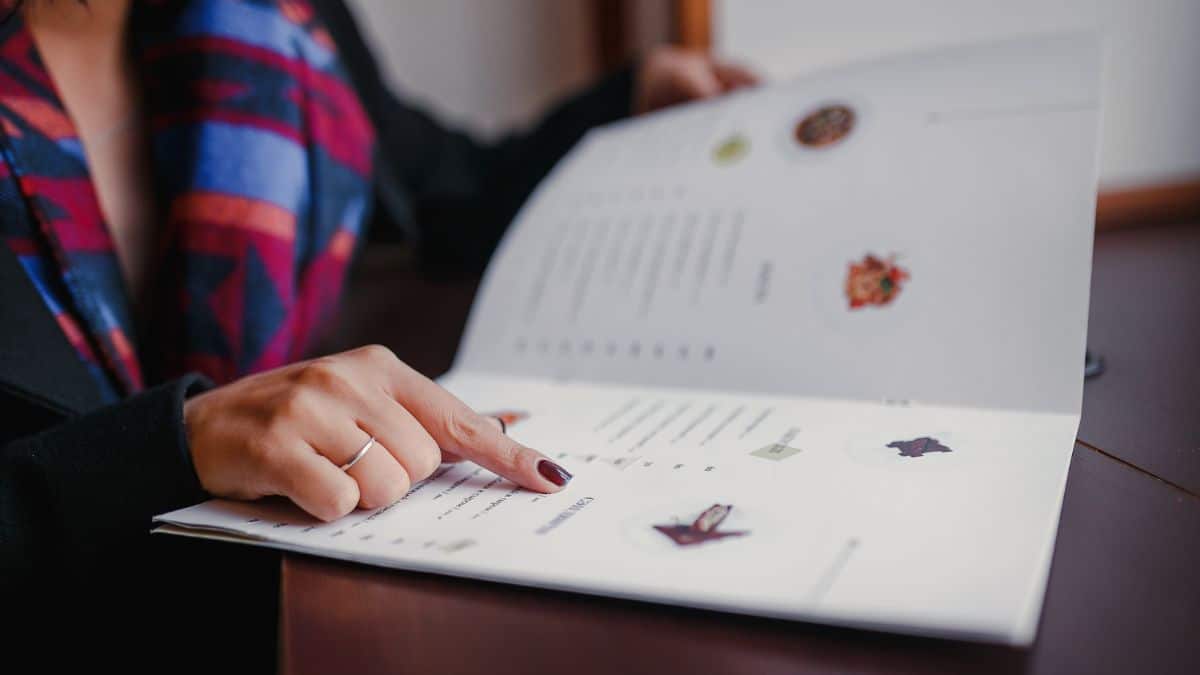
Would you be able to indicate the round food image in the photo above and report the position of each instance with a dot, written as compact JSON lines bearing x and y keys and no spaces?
{"x":731,"y":149}
{"x":825,"y":126}
{"x":874,"y":281}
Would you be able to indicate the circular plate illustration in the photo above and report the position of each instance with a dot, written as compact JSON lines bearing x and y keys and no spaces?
{"x":731,"y":149}
{"x":825,"y":126}
{"x":818,"y":130}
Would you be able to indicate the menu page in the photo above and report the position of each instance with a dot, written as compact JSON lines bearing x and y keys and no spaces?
{"x":812,"y":352}
{"x":931,"y":520}
{"x":915,"y":229}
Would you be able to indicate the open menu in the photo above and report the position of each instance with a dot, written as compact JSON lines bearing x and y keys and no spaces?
{"x":813,"y":351}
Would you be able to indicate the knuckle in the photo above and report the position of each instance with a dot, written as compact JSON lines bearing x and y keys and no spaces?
{"x":376,"y":354}
{"x":466,"y":430}
{"x":513,"y":454}
{"x":385,"y":493}
{"x":322,"y":374}
{"x":425,"y":461}
{"x":295,"y":404}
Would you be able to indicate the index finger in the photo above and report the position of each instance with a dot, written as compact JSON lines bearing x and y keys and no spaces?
{"x":460,"y":430}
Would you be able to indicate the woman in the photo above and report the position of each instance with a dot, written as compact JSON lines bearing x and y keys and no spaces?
{"x":183,"y":185}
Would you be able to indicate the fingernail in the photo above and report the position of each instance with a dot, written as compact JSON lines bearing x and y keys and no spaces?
{"x":553,"y":472}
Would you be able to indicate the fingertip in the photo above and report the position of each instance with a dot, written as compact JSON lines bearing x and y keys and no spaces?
{"x":343,"y":501}
{"x":554,"y":473}
{"x":324,"y":516}
{"x":336,"y":501}
{"x":333,"y":508}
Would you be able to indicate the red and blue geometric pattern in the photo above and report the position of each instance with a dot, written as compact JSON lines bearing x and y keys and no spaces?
{"x":262,"y":170}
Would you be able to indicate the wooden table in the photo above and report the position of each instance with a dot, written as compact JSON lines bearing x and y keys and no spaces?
{"x":1124,"y":590}
{"x":1145,"y":321}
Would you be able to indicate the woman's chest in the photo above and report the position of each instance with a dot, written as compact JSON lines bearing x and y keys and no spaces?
{"x":97,"y":83}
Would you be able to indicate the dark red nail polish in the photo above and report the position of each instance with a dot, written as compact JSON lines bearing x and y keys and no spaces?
{"x":553,"y":472}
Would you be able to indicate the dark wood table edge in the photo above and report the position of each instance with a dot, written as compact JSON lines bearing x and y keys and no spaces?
{"x":1131,"y":465}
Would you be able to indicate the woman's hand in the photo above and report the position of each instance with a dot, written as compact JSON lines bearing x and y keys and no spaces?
{"x":287,"y":432}
{"x":671,"y":75}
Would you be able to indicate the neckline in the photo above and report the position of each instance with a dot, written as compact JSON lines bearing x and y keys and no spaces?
{"x":73,"y":238}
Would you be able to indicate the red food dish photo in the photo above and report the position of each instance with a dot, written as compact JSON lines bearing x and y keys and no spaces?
{"x":874,"y":281}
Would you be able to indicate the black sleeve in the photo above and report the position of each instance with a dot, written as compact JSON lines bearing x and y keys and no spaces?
{"x":452,"y":193}
{"x":465,"y":193}
{"x":84,"y":490}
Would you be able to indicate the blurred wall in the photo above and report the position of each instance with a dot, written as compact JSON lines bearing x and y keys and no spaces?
{"x":483,"y":64}
{"x":1152,"y":98}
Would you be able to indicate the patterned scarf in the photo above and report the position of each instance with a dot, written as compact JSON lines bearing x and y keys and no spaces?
{"x":261,"y":155}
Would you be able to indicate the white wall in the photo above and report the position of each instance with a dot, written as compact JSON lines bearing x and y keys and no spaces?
{"x":1152,"y":100}
{"x":483,"y":64}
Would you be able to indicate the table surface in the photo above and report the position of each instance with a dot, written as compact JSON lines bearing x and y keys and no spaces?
{"x":1123,"y":595}
{"x":1145,"y":322}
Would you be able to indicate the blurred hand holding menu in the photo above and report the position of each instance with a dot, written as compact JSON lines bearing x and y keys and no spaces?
{"x":812,"y":350}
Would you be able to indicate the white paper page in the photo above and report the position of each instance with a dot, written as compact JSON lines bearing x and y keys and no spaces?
{"x":645,"y":260}
{"x":837,"y":525}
